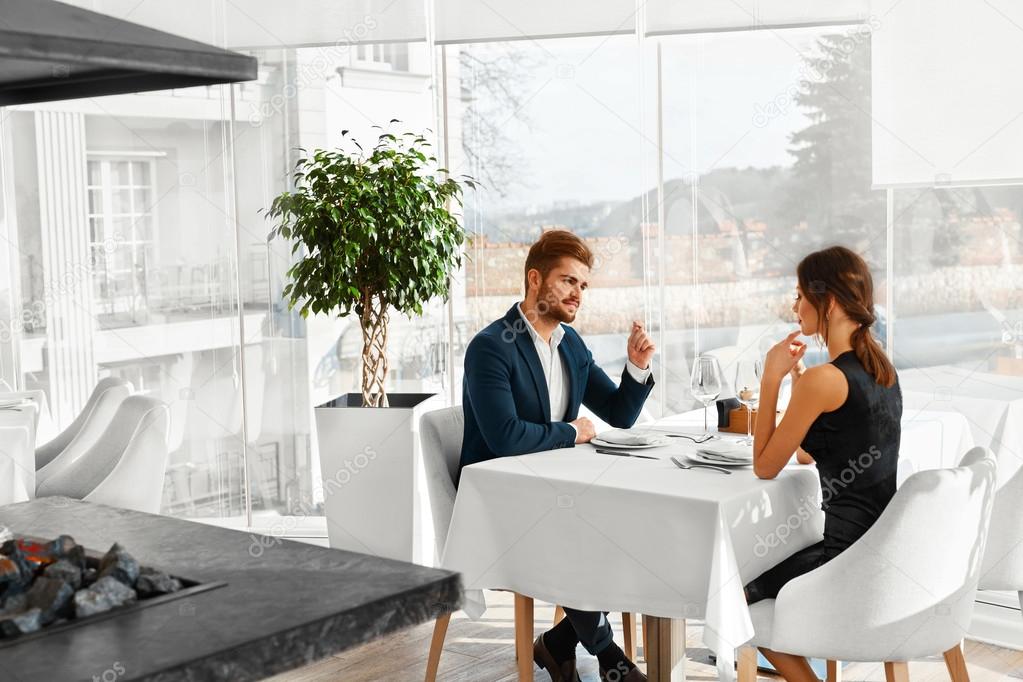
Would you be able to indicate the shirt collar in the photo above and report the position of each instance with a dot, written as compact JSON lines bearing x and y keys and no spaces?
{"x":556,"y":336}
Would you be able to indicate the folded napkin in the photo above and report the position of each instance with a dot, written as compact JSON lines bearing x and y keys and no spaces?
{"x":632,"y":437}
{"x":727,"y":450}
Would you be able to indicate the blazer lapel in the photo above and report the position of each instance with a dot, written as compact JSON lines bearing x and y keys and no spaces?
{"x":524,"y":343}
{"x":568,"y":363}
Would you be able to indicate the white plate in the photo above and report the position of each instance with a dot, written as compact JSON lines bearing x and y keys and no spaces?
{"x":605,"y":444}
{"x":697,"y":457}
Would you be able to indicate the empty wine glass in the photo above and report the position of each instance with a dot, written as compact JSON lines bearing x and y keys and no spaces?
{"x":747,"y":390}
{"x":706,"y":383}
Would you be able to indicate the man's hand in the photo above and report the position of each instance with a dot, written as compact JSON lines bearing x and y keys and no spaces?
{"x":584,"y":430}
{"x":641,"y":348}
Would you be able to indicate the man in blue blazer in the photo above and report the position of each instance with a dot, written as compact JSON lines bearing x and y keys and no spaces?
{"x":525,"y":377}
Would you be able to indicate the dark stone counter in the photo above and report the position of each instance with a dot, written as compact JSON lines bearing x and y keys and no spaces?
{"x":286,"y":604}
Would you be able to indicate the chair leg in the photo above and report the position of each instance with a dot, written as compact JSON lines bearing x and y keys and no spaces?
{"x":440,"y":629}
{"x":643,"y":627}
{"x":629,"y":641}
{"x":834,"y":671}
{"x":524,"y":636}
{"x":747,"y":664}
{"x":956,"y":664}
{"x":559,"y":614}
{"x":897,"y":671}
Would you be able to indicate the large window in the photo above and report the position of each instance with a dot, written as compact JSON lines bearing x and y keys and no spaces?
{"x":554,"y":131}
{"x":121,"y":233}
{"x":698,"y":167}
{"x":765,"y":160}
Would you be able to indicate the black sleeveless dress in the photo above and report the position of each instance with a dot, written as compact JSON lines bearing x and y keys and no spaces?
{"x":856,"y":448}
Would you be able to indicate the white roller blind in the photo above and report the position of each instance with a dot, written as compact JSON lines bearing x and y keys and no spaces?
{"x":701,"y":16}
{"x":473,"y":21}
{"x":240,"y":24}
{"x":947,"y":93}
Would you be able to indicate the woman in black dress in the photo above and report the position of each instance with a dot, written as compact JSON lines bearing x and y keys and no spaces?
{"x":844,"y":415}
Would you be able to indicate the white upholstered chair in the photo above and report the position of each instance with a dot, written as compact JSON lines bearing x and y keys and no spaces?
{"x":1003,"y":557}
{"x":903,"y":591}
{"x":126,"y":466}
{"x":84,"y":431}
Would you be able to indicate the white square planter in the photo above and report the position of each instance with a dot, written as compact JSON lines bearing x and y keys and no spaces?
{"x":370,"y":460}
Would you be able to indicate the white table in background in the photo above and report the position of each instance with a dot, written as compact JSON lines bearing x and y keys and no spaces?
{"x":932,"y":440}
{"x":992,"y":404}
{"x":17,"y":453}
{"x":600,"y":532}
{"x":45,"y":429}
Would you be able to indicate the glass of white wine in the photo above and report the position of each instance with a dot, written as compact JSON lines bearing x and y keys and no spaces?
{"x":747,"y":390}
{"x":706,"y":383}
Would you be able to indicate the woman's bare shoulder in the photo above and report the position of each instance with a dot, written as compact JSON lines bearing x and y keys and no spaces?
{"x":825,"y":383}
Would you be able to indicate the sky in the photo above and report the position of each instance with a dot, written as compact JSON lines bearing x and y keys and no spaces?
{"x":591,"y":106}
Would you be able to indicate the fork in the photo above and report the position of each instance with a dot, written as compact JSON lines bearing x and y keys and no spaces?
{"x":681,"y":465}
{"x":695,"y":439}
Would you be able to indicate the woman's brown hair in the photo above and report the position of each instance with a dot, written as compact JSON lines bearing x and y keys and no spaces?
{"x":839,"y":274}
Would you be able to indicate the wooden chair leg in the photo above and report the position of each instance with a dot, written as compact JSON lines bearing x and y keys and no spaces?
{"x":644,"y":628}
{"x":524,"y":636}
{"x":747,"y":664}
{"x":956,"y":664}
{"x":629,"y":641}
{"x":834,"y":671}
{"x":559,"y":614}
{"x":896,"y":671}
{"x":440,"y":629}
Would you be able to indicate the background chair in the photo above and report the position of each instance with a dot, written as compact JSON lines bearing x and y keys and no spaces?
{"x":1003,"y":556}
{"x":98,"y":410}
{"x":440,"y":433}
{"x":903,"y":591}
{"x":126,"y":466}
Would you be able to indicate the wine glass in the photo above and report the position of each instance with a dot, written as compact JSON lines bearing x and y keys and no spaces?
{"x":706,"y":383}
{"x":747,"y":390}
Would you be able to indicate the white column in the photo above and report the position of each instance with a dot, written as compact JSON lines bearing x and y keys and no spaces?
{"x":67,"y":286}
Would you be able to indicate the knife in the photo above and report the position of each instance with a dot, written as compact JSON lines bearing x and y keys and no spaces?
{"x":624,"y":454}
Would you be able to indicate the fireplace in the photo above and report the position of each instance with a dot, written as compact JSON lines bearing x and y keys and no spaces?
{"x":48,"y":586}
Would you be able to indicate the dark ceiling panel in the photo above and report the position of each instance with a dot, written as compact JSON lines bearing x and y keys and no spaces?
{"x":52,"y":51}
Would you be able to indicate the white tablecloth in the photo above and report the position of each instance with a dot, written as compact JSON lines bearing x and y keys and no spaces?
{"x":600,"y":532}
{"x":992,"y":404}
{"x":45,"y":428}
{"x":591,"y":531}
{"x":17,"y":453}
{"x":932,"y":440}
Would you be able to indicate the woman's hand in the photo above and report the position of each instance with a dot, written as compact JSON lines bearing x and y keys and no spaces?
{"x":784,"y":357}
{"x":797,"y":371}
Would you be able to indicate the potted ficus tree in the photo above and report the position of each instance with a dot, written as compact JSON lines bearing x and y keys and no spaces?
{"x":378,"y":234}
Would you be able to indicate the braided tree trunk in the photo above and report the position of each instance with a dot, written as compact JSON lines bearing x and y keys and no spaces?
{"x":374,"y":350}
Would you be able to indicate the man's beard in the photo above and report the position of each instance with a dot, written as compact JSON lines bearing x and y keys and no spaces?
{"x":549,"y":305}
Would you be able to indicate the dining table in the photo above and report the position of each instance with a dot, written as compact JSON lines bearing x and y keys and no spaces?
{"x":18,"y":419}
{"x":636,"y":533}
{"x":991,"y":403}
